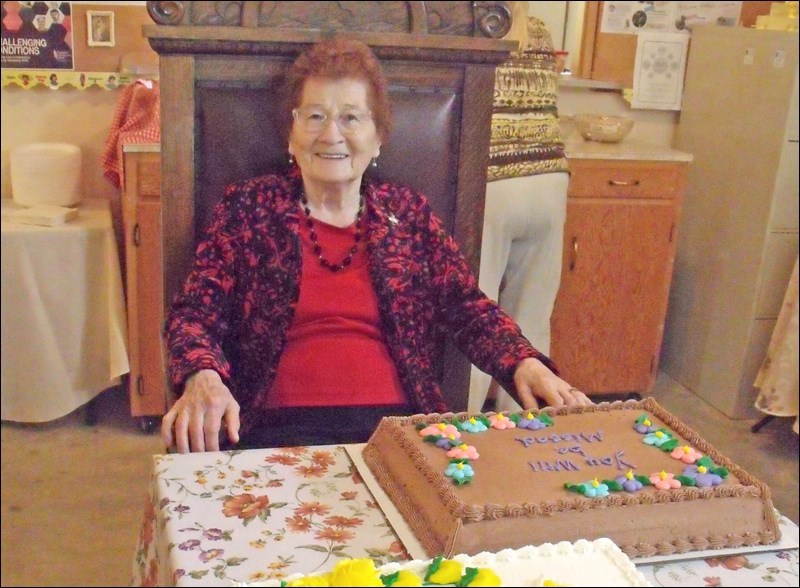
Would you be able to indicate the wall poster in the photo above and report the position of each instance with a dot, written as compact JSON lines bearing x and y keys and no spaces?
{"x":37,"y":35}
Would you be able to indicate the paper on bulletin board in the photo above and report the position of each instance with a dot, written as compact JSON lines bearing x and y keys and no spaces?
{"x":635,"y":18}
{"x":658,"y":71}
{"x":37,"y":35}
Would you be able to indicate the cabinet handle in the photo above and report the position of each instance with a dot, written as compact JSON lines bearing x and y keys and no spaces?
{"x":621,"y":183}
{"x":574,"y":257}
{"x":137,"y":236}
{"x":140,"y":386}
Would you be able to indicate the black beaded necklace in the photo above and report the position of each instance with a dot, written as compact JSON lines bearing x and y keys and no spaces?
{"x":312,"y":234}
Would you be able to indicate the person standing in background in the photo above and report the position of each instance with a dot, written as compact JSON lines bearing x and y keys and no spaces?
{"x":526,"y":196}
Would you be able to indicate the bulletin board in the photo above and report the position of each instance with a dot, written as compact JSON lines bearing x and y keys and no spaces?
{"x":108,"y":67}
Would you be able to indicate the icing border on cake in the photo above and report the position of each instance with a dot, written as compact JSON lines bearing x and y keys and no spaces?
{"x":444,"y":539}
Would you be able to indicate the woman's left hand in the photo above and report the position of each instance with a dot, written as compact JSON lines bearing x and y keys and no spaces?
{"x":534,"y":380}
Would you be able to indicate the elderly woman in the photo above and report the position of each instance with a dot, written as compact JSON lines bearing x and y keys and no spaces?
{"x":315,"y":296}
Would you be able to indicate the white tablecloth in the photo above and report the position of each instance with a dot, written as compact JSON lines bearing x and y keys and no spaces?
{"x":63,"y":315}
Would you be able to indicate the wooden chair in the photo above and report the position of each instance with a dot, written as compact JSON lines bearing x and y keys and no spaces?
{"x":221,"y":62}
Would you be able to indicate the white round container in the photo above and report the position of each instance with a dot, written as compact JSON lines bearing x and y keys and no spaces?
{"x":46,"y":173}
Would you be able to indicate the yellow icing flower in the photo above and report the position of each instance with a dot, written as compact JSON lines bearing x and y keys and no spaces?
{"x":686,"y":449}
{"x":659,"y":434}
{"x":441,"y":426}
{"x":460,"y":465}
{"x":451,"y":436}
{"x":647,"y":422}
{"x":595,"y":483}
{"x":449,"y":572}
{"x":485,"y":577}
{"x":663,"y":475}
{"x":406,"y":578}
{"x":629,"y":475}
{"x":355,"y":572}
{"x":463,"y":447}
{"x":529,"y":416}
{"x":320,"y":580}
{"x":702,"y":469}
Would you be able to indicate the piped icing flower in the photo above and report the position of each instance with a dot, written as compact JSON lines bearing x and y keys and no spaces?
{"x":444,"y":571}
{"x":592,"y":488}
{"x":686,"y":454}
{"x":664,"y":481}
{"x":533,"y":423}
{"x":403,"y":578}
{"x":463,"y":451}
{"x":474,"y":425}
{"x":703,"y":474}
{"x":440,"y":430}
{"x":644,"y":425}
{"x":657,"y":438}
{"x":460,"y":470}
{"x":629,"y":482}
{"x":448,"y":441}
{"x":501,"y":421}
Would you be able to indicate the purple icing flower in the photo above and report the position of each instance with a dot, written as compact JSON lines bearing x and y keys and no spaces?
{"x":702,"y":477}
{"x":629,"y":483}
{"x":445,"y":442}
{"x":644,"y":425}
{"x":532,"y":424}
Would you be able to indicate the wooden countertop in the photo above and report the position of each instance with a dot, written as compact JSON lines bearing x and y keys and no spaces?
{"x":630,"y":150}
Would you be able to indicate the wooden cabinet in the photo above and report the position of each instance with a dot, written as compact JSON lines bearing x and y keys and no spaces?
{"x":619,"y":245}
{"x":141,"y":217}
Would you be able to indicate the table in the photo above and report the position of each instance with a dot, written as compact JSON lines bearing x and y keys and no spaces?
{"x":63,"y":314}
{"x":212,"y":519}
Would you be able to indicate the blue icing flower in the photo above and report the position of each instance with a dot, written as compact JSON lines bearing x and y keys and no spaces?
{"x":657,"y":438}
{"x":702,"y":477}
{"x":595,"y":489}
{"x":473,"y":425}
{"x":459,"y":471}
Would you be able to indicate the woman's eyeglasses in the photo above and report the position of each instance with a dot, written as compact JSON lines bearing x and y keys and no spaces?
{"x":314,"y":119}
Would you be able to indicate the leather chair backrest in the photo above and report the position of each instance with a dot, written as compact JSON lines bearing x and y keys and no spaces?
{"x":221,"y":64}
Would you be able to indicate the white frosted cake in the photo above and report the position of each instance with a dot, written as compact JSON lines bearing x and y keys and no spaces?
{"x":583,"y":563}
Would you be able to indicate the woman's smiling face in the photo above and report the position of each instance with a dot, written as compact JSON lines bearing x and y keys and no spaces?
{"x":333,"y":137}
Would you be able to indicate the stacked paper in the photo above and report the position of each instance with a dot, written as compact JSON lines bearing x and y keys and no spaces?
{"x":45,"y":215}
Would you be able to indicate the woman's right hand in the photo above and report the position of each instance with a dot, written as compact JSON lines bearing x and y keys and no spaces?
{"x":195,"y":420}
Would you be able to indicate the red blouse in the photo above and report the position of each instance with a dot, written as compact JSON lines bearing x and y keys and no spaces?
{"x":335,"y":354}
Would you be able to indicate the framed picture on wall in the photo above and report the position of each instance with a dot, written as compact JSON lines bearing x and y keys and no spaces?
{"x":100,"y":28}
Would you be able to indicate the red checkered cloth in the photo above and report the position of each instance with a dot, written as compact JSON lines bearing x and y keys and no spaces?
{"x":136,"y":120}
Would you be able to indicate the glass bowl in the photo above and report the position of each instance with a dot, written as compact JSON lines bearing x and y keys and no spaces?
{"x":603,"y":128}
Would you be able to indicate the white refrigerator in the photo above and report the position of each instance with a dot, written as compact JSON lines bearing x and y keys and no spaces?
{"x":737,"y":236}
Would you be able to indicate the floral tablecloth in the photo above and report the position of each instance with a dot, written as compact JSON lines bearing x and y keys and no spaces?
{"x":216,"y":518}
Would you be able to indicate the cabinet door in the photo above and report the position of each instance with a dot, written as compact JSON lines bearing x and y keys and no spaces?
{"x":148,"y":388}
{"x":608,"y":319}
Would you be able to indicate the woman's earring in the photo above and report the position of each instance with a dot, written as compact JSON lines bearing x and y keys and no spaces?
{"x":291,"y":159}
{"x":374,"y":163}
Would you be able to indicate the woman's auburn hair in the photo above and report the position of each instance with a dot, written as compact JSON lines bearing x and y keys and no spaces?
{"x":337,"y":59}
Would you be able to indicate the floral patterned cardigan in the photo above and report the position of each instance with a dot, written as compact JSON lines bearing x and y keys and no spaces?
{"x":236,"y":306}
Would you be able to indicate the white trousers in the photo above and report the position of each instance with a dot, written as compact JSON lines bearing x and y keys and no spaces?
{"x":523,"y":232}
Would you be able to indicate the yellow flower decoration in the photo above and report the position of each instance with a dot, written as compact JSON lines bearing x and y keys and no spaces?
{"x":355,"y":572}
{"x":485,"y":577}
{"x":647,"y":422}
{"x":629,"y":475}
{"x":659,"y":434}
{"x":595,"y":483}
{"x":702,"y":469}
{"x":441,"y":426}
{"x":406,"y":578}
{"x":529,"y":416}
{"x":320,"y":580}
{"x":449,"y":572}
{"x":472,"y":420}
{"x":663,"y":475}
{"x":686,"y":449}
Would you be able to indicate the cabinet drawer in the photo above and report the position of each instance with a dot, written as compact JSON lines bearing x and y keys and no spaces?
{"x":149,"y":177}
{"x":626,"y":179}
